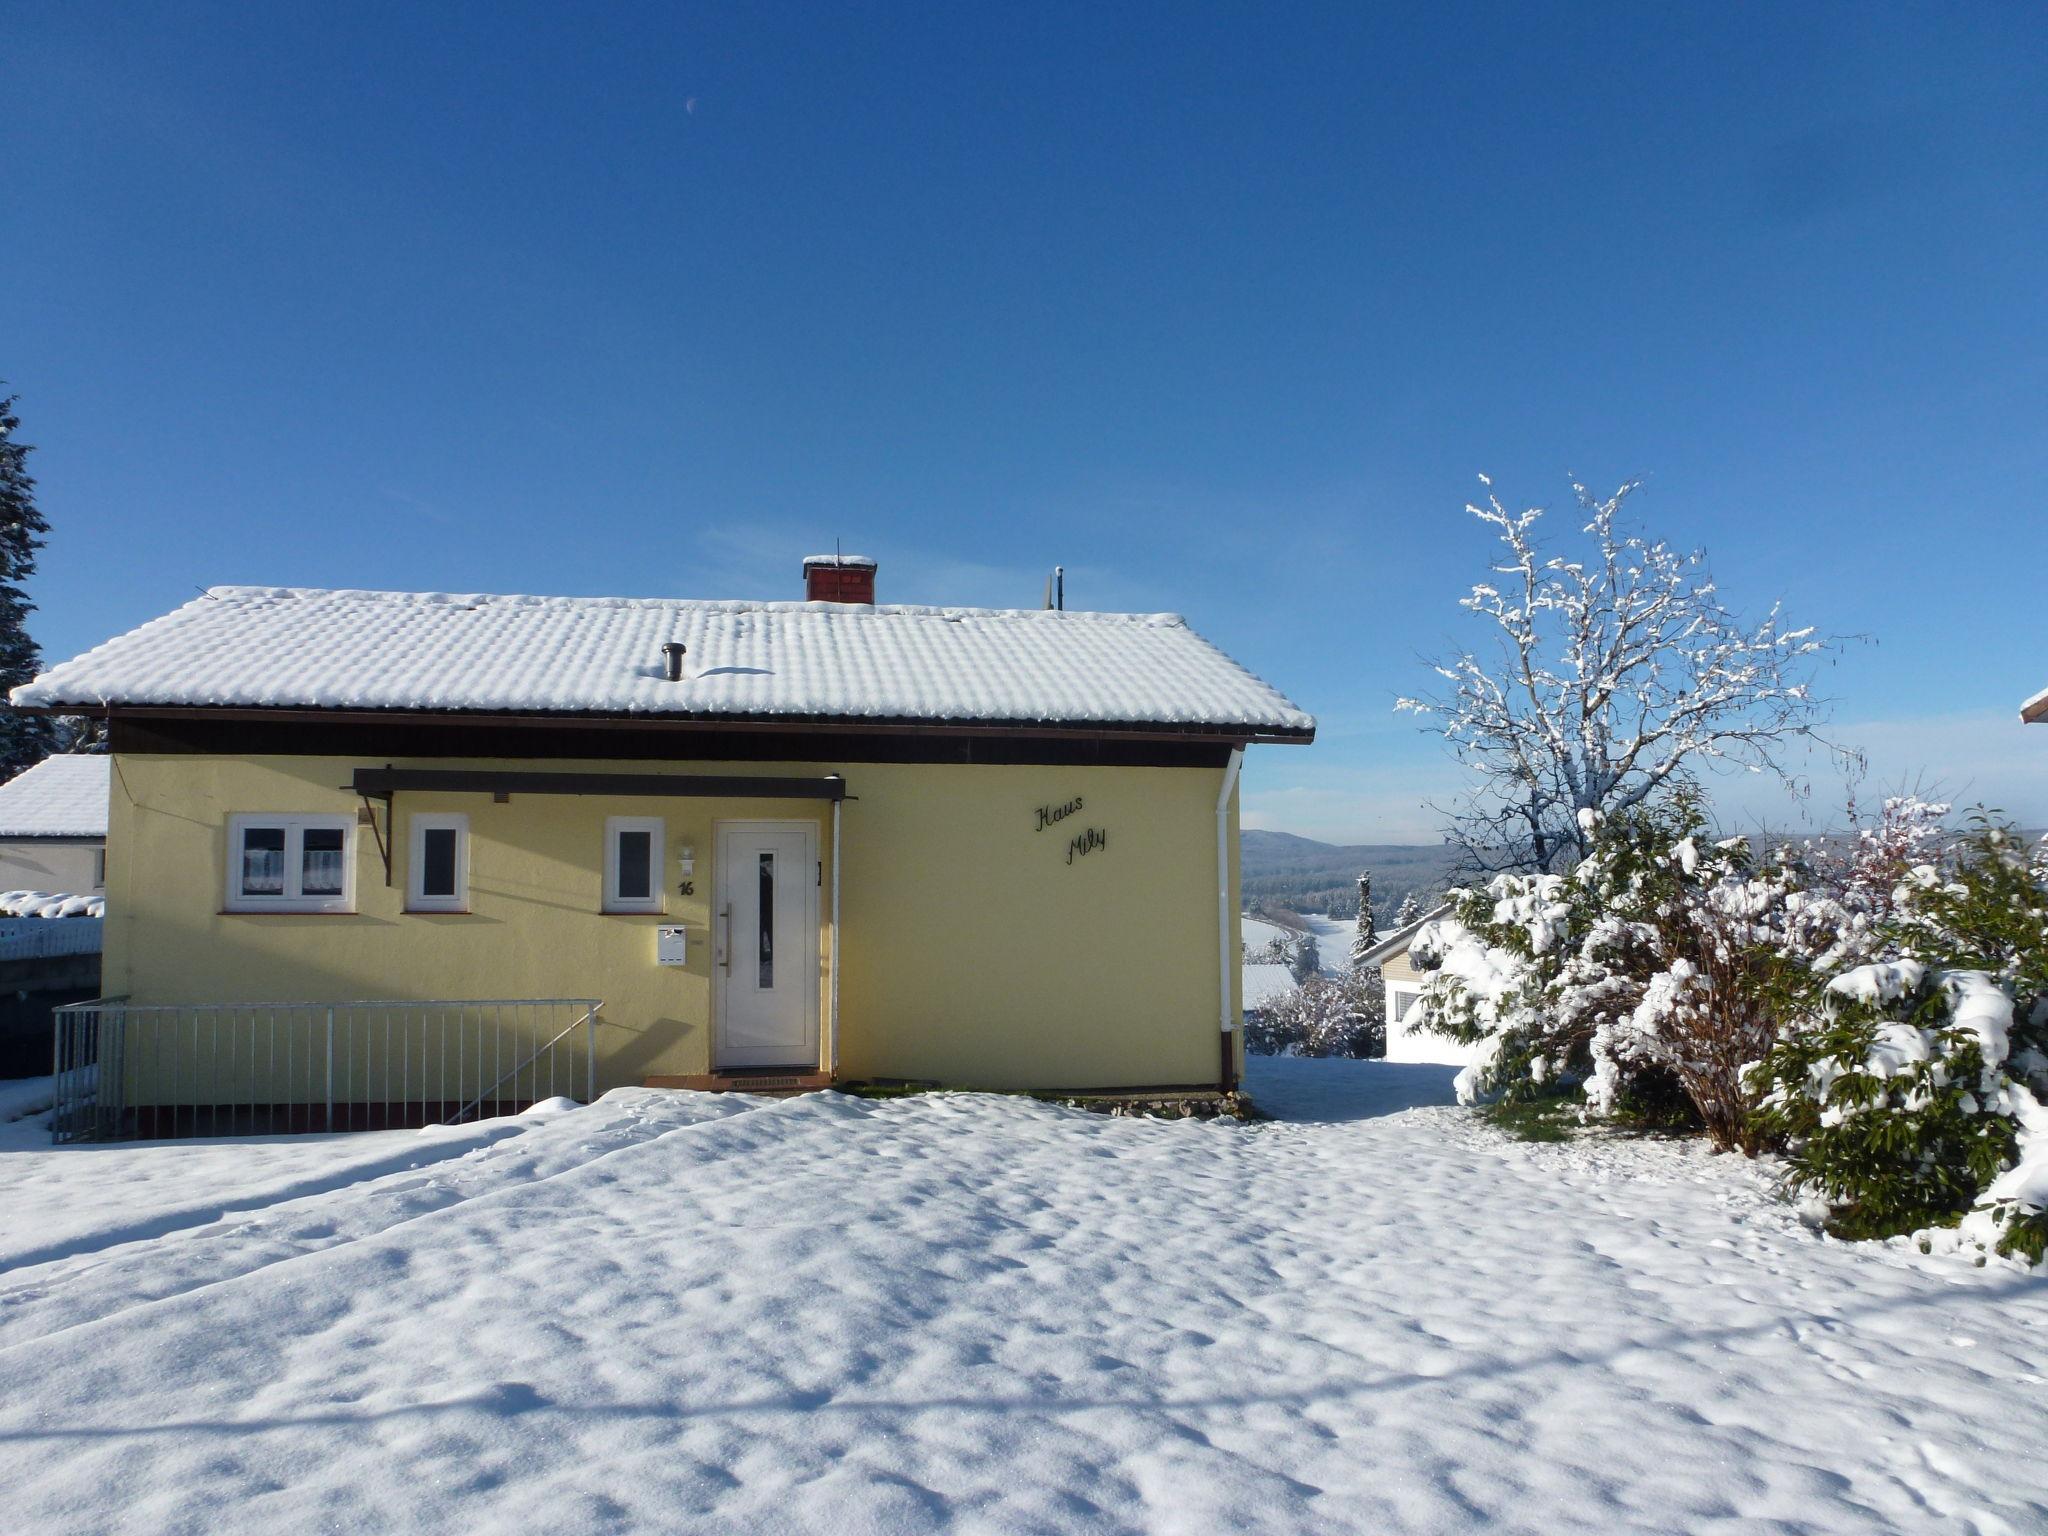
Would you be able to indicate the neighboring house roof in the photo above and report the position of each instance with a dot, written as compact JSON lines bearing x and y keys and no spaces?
{"x":62,"y":796}
{"x":1263,"y":983}
{"x":1395,"y":943}
{"x":300,"y":648}
{"x":2035,"y":710}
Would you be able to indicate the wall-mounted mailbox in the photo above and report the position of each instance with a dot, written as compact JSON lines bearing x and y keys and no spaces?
{"x":671,"y":946}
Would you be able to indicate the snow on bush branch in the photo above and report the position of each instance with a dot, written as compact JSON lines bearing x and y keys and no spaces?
{"x":1658,"y":964}
{"x":1876,"y":1006}
{"x":1914,"y":1093}
{"x":1612,"y":674}
{"x":1322,"y":1016}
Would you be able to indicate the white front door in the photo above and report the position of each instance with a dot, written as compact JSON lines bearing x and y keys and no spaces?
{"x":767,"y":937}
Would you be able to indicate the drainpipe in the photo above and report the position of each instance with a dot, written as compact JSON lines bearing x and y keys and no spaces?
{"x":838,"y":948}
{"x":1223,"y":912}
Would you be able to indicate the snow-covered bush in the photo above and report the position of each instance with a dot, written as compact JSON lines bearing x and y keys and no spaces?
{"x":1696,"y":957}
{"x":1489,"y":970}
{"x":1665,"y":960}
{"x":1896,"y":1103}
{"x":1913,"y":1095}
{"x":1345,"y":1016}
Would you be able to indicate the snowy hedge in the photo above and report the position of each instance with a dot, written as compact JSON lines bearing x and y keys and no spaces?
{"x":1912,"y":1097}
{"x":1322,"y":1016}
{"x":1878,"y":1008}
{"x":1660,"y":964}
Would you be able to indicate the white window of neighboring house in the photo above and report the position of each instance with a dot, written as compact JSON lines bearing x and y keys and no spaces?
{"x":437,"y":864}
{"x":99,"y":868}
{"x":1404,"y":1002}
{"x":633,"y":851}
{"x":282,"y":863}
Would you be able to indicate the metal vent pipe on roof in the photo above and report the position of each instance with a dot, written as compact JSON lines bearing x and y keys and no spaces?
{"x":672,"y":660}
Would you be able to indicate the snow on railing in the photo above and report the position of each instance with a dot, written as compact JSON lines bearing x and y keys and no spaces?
{"x":35,"y":938}
{"x":225,"y":1069}
{"x":50,"y":904}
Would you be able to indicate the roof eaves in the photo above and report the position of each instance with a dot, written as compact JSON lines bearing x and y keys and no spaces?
{"x":1235,"y":731}
{"x":1399,"y":940}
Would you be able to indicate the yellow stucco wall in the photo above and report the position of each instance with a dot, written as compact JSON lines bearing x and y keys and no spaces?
{"x":975,"y":953}
{"x":1398,"y":967}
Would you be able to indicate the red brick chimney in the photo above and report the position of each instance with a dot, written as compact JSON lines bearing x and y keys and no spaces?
{"x":839,"y":579}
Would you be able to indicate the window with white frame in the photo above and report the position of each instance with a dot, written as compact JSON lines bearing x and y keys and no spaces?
{"x":437,"y":863}
{"x":99,"y":868}
{"x":1401,"y":1002}
{"x":633,"y":851}
{"x":280,"y":863}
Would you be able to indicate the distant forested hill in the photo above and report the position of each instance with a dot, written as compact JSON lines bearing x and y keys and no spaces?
{"x":1283,"y":870}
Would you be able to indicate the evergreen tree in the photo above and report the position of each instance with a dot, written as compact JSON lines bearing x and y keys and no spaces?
{"x":1361,"y":940}
{"x":1411,"y":911}
{"x":78,"y":733}
{"x":1308,"y":959}
{"x":24,"y":739}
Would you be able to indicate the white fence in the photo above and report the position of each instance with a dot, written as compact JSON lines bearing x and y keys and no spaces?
{"x":231,"y":1069}
{"x":40,"y":938}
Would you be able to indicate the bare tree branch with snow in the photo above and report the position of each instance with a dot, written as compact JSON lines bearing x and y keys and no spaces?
{"x":1612,"y":676}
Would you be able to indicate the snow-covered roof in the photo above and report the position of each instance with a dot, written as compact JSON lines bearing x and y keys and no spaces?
{"x":1263,"y":983}
{"x":304,"y":648}
{"x":62,"y":796}
{"x":1395,"y":942}
{"x":2036,"y":708}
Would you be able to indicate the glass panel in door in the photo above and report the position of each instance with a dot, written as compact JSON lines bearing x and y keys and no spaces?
{"x":765,"y":889}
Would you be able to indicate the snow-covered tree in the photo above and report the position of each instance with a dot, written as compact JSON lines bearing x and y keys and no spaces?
{"x":78,"y":733}
{"x":1613,"y":673}
{"x":1361,"y":939}
{"x":24,"y":739}
{"x":1410,"y":912}
{"x":1278,"y":950}
{"x":1307,"y":961}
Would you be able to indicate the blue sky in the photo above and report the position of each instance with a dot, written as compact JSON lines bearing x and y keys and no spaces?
{"x":1222,"y":308}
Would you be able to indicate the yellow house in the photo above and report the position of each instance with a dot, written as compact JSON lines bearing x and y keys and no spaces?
{"x":803,"y":842}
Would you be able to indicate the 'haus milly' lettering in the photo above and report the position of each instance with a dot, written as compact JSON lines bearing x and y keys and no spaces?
{"x":1049,"y":814}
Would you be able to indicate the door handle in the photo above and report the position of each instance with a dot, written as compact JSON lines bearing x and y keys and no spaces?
{"x":725,"y":944}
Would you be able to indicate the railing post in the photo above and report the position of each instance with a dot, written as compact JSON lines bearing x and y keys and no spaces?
{"x":58,"y":1086}
{"x":590,"y":1055}
{"x":330,"y":1068}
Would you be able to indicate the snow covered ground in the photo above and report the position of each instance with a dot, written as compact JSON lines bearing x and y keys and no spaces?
{"x":981,"y":1314}
{"x":1333,"y":936}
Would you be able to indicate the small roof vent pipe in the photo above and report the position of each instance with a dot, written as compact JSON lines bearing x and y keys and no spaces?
{"x":672,"y":660}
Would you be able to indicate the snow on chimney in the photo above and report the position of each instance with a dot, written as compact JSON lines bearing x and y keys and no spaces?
{"x":839,"y":579}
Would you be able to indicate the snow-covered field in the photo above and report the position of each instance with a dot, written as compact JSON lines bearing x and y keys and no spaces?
{"x":981,"y":1314}
{"x":1333,"y":936}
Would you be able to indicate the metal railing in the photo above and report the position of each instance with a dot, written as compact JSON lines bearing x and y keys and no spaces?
{"x":232,"y":1069}
{"x":39,"y":938}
